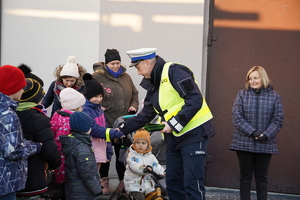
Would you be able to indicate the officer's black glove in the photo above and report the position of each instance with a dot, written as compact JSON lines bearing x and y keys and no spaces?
{"x":256,"y":134}
{"x":262,"y":138}
{"x":148,"y":168}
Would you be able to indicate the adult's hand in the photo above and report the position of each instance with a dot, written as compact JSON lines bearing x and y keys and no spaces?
{"x":167,"y":128}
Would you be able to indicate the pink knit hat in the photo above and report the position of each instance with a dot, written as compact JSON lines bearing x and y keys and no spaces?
{"x":71,"y":99}
{"x":12,"y":79}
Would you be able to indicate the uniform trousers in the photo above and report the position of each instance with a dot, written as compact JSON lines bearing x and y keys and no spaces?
{"x":185,"y":172}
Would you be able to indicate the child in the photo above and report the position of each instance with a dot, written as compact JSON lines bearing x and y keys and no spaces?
{"x":14,"y":150}
{"x":82,"y":177}
{"x":36,"y":127}
{"x":71,"y":101}
{"x":136,"y":180}
{"x":94,"y":95}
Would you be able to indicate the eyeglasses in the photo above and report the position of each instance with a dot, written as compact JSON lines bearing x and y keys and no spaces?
{"x":253,"y":79}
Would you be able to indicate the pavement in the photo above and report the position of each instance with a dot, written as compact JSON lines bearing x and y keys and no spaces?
{"x":212,"y":193}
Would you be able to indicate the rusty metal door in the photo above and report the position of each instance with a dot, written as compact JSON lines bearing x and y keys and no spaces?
{"x":245,"y":33}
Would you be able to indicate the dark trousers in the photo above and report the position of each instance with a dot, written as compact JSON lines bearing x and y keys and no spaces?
{"x":257,"y":164}
{"x":104,"y":169}
{"x":186,"y":172}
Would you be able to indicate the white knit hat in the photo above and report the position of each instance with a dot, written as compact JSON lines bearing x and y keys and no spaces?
{"x":70,"y":68}
{"x":71,"y":99}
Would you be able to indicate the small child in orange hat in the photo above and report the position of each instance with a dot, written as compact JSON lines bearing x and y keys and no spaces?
{"x":137,"y":181}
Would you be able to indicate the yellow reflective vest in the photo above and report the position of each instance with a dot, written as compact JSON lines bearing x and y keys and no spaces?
{"x":170,"y":100}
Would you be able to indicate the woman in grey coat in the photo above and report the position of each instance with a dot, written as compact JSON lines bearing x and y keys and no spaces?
{"x":257,"y":117}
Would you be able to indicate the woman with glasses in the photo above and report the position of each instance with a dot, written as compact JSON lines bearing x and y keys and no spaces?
{"x":257,"y":117}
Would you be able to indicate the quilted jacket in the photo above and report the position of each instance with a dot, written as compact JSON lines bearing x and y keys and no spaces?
{"x":262,"y":112}
{"x":82,"y":176}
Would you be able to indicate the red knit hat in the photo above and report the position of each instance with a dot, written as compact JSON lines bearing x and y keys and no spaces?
{"x":12,"y":79}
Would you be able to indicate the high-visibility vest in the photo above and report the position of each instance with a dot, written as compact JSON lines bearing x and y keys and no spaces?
{"x":171,"y":103}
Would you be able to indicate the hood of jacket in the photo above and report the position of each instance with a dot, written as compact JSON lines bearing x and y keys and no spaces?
{"x":69,"y":142}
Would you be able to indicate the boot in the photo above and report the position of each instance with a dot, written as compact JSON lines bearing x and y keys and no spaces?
{"x":121,"y":187}
{"x":105,"y":185}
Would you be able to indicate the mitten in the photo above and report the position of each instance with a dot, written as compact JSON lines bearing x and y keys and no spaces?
{"x":262,"y":138}
{"x":114,"y":133}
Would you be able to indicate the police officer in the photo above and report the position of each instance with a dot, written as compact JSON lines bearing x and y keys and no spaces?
{"x":173,"y":94}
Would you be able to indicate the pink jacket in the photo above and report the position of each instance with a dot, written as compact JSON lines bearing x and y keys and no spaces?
{"x":60,"y":126}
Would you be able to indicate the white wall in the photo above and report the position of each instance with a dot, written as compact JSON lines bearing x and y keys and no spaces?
{"x":174,"y":27}
{"x":42,"y":34}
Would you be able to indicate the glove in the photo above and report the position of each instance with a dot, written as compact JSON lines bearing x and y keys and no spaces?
{"x":145,"y":170}
{"x":256,"y":134}
{"x":114,"y":133}
{"x":262,"y":138}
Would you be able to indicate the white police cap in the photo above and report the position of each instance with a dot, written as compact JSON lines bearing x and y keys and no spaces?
{"x":139,"y":55}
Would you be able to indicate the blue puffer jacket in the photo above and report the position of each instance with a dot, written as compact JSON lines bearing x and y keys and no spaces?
{"x":262,"y":112}
{"x":14,"y":150}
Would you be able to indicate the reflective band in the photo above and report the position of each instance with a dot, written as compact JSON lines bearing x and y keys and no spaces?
{"x":175,"y":123}
{"x":107,"y":135}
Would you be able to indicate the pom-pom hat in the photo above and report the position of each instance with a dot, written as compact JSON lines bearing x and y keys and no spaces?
{"x":70,"y":68}
{"x":80,"y":121}
{"x":92,"y":87}
{"x":111,"y":54}
{"x":71,"y":99}
{"x":33,"y":91}
{"x":27,"y":72}
{"x":12,"y":80}
{"x":139,"y":55}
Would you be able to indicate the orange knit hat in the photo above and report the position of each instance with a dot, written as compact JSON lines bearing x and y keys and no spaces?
{"x":142,"y":134}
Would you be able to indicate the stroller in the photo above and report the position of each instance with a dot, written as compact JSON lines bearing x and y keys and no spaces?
{"x":158,"y":144}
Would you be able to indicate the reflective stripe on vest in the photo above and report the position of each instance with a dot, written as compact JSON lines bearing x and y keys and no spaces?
{"x":170,"y":100}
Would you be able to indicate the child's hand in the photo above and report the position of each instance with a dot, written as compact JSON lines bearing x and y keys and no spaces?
{"x":115,"y":134}
{"x":148,"y":168}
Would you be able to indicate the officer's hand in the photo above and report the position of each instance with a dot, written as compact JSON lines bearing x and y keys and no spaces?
{"x":167,"y":128}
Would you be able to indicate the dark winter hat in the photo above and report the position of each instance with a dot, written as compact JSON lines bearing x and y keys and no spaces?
{"x":12,"y":79}
{"x":27,"y":72}
{"x":91,"y":86}
{"x":112,"y":54}
{"x":80,"y":121}
{"x":33,"y":91}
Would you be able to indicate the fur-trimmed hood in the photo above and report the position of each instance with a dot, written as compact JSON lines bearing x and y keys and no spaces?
{"x":81,"y":71}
